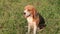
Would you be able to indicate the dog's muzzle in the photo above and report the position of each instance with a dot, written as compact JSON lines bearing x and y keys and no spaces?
{"x":27,"y":14}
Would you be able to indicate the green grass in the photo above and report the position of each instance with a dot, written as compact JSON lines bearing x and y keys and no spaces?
{"x":13,"y":22}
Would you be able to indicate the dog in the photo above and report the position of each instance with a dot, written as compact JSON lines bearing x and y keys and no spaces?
{"x":34,"y":19}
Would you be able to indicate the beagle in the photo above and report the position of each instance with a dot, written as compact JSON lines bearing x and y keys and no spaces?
{"x":34,"y":19}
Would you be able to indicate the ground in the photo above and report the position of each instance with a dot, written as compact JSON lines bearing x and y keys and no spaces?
{"x":13,"y":22}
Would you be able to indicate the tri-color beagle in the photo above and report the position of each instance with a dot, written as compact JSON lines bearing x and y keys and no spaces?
{"x":35,"y":20}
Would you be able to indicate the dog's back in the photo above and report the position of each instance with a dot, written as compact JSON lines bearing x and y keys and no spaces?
{"x":41,"y":22}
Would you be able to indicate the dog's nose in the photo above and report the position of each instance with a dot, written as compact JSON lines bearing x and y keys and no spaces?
{"x":24,"y":13}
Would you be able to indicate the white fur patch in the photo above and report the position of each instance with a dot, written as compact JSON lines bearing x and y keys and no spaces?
{"x":27,"y":12}
{"x":30,"y":19}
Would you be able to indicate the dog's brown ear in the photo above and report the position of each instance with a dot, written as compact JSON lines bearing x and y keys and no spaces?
{"x":34,"y":13}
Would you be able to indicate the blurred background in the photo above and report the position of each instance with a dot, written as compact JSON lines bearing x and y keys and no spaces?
{"x":13,"y":22}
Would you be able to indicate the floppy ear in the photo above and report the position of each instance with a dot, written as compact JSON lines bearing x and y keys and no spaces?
{"x":34,"y":13}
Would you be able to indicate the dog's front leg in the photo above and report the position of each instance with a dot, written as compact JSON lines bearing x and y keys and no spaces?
{"x":35,"y":29}
{"x":28,"y":28}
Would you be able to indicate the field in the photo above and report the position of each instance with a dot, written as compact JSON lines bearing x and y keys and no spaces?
{"x":13,"y":22}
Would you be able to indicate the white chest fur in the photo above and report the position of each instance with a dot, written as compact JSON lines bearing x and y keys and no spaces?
{"x":30,"y":19}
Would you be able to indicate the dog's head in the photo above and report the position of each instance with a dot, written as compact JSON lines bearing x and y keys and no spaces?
{"x":29,"y":10}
